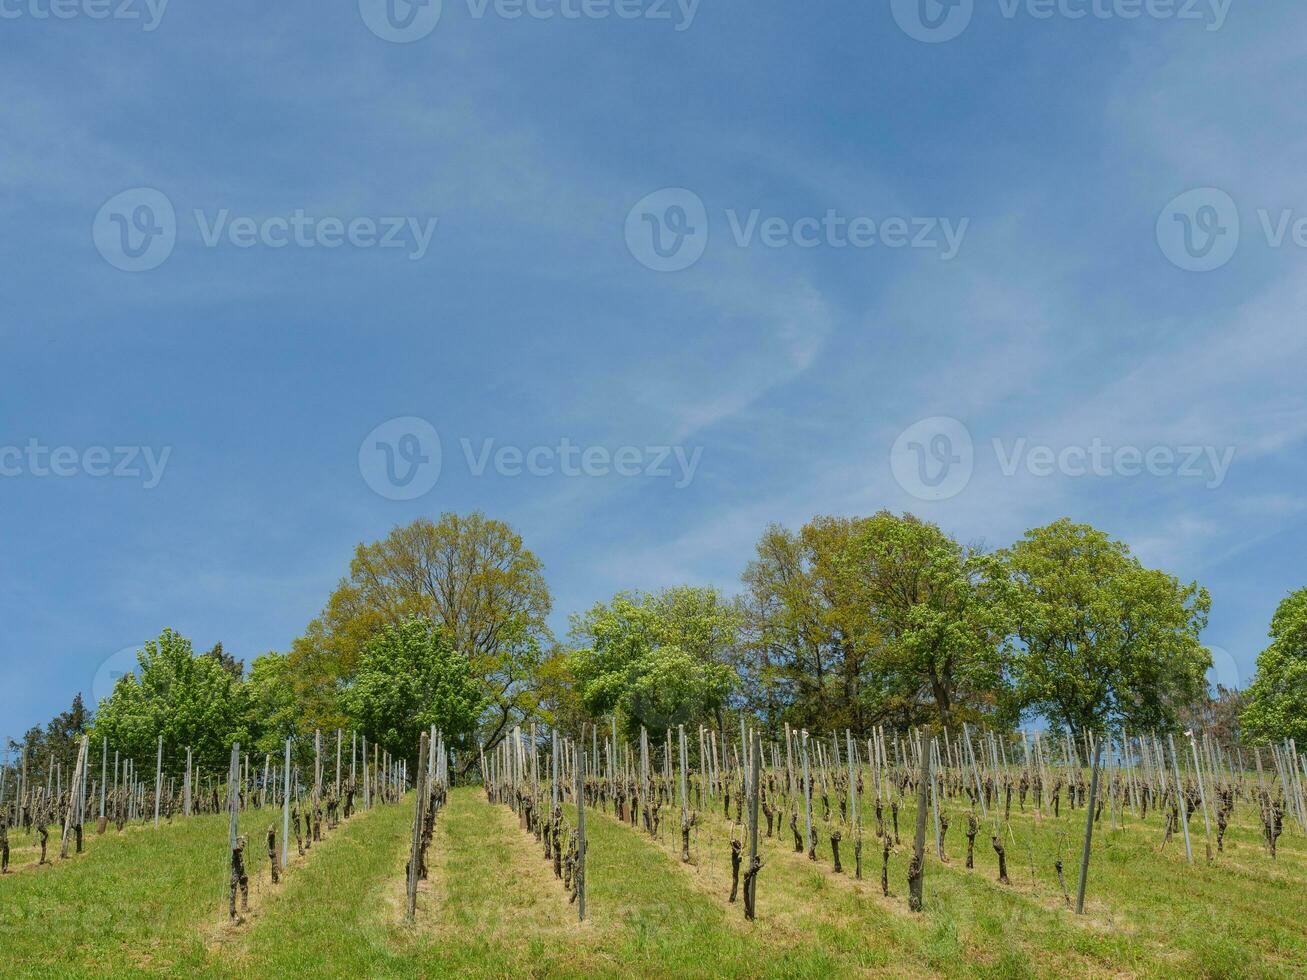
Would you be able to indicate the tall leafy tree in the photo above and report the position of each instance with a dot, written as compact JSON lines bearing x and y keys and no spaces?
{"x":938,"y":612}
{"x":190,"y":700}
{"x":1100,"y":640}
{"x":273,"y":705}
{"x":1277,"y":698}
{"x":657,"y":659}
{"x":409,"y":678}
{"x":470,"y":575}
{"x":56,"y":744}
{"x":811,"y":643}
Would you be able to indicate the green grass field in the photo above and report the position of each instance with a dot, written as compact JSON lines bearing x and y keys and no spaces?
{"x":149,"y":902}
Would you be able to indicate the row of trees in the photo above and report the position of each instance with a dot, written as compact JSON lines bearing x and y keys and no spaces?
{"x":853,"y":622}
{"x":846,"y":622}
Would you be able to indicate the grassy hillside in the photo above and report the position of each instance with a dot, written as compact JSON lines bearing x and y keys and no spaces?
{"x":147,"y":902}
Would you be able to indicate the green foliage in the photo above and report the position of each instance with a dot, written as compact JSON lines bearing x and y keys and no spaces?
{"x":274,"y":707}
{"x":409,"y":678}
{"x":811,"y":643}
{"x":470,"y":575}
{"x":190,"y":700}
{"x":937,"y":608}
{"x":1101,"y":640}
{"x":56,"y":744}
{"x":656,"y":660}
{"x":1277,"y":705}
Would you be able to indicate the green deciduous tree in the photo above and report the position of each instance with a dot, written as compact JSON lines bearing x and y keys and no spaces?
{"x":810,"y":640}
{"x":937,"y":608}
{"x":470,"y":575}
{"x":1101,"y":641}
{"x":190,"y":700}
{"x":1277,"y":699}
{"x":274,"y":709}
{"x":409,"y":678}
{"x":657,"y":660}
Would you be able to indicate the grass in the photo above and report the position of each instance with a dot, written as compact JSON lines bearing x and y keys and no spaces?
{"x":147,"y":902}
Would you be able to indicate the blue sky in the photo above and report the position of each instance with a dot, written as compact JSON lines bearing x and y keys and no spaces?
{"x":785,"y":362}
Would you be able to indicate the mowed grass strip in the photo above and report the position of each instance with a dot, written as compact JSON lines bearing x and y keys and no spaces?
{"x":1150,"y":913}
{"x":332,"y":917}
{"x":643,"y":916}
{"x":137,"y":902}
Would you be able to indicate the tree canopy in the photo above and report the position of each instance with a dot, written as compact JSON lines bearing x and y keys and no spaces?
{"x":1277,"y":699}
{"x":190,"y":700}
{"x":1101,"y":641}
{"x":470,"y":575}
{"x":657,"y":660}
{"x":409,"y":678}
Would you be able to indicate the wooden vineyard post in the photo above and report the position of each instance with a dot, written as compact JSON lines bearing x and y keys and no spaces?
{"x":234,"y":856}
{"x":855,"y":811}
{"x":158,"y":781}
{"x":933,"y":749}
{"x":917,"y":868}
{"x":186,"y":788}
{"x":1179,"y":800}
{"x":72,"y":819}
{"x":1202,"y":797}
{"x":807,"y":797}
{"x":755,"y":865}
{"x":1089,"y":829}
{"x":285,"y":811}
{"x":104,"y":773}
{"x":233,"y":799}
{"x":580,"y":839}
{"x":419,"y":815}
{"x":685,"y":817}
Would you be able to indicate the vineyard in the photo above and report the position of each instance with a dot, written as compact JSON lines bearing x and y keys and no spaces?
{"x":698,"y":853}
